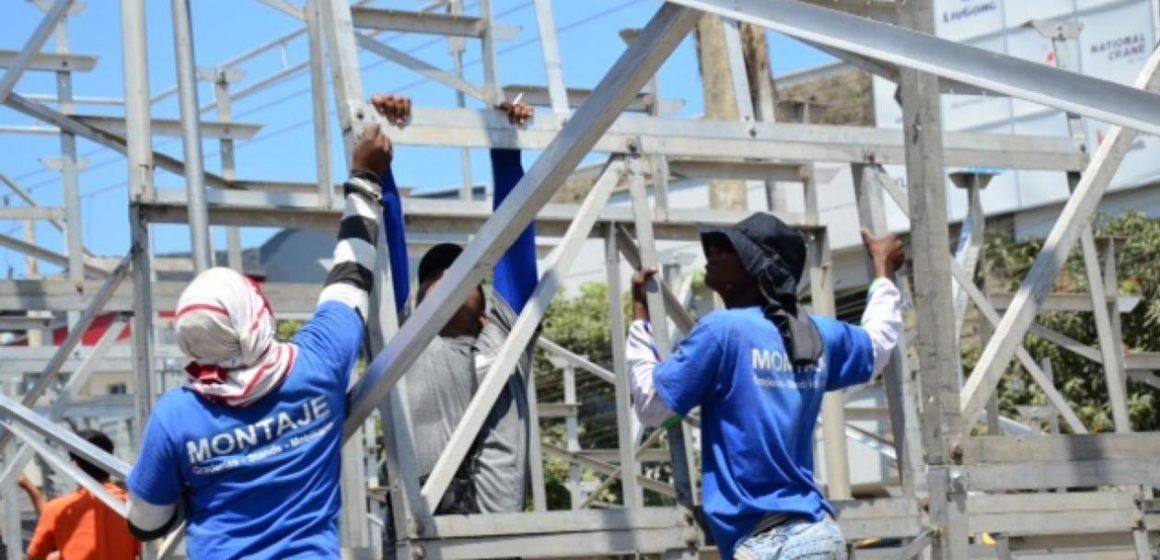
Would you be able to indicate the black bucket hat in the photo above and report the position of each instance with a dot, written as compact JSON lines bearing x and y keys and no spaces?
{"x":761,"y":241}
{"x":774,"y":254}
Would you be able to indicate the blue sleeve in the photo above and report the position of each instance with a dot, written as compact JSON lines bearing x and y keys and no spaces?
{"x":335,"y":335}
{"x":156,"y":477}
{"x":689,"y":375}
{"x":849,"y":354}
{"x":515,"y":273}
{"x":396,"y":240}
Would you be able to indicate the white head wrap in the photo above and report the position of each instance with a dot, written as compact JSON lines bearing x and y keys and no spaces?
{"x":225,"y":324}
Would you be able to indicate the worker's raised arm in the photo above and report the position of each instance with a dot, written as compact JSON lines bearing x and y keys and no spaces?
{"x":515,"y":273}
{"x":855,"y":354}
{"x":397,"y":111}
{"x":350,"y":280}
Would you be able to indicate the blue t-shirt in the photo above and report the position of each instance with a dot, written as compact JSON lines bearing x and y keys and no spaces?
{"x":262,"y":480}
{"x":758,"y":414}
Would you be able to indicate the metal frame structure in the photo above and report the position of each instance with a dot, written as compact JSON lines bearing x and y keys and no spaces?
{"x":951,"y":485}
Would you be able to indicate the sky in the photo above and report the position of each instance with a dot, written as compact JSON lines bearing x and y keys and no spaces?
{"x":284,"y":148}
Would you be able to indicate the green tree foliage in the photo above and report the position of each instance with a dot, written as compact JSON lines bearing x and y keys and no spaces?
{"x":581,"y":323}
{"x":1082,"y":381}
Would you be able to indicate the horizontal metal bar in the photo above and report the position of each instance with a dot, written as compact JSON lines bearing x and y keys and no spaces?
{"x":1073,"y":474}
{"x":61,"y":295}
{"x":556,"y":522}
{"x":429,"y":23}
{"x":301,"y":210}
{"x":1142,"y":360}
{"x":31,"y":213}
{"x":172,"y":127}
{"x":557,"y":410}
{"x":601,"y":543}
{"x":689,"y":168}
{"x":10,"y":323}
{"x":51,"y":62}
{"x":612,"y":456}
{"x":738,"y":141}
{"x":1059,"y":448}
{"x":1065,"y":302}
{"x":1068,"y":91}
{"x":537,"y":96}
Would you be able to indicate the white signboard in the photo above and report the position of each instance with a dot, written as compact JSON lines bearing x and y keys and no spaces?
{"x":1116,"y":40}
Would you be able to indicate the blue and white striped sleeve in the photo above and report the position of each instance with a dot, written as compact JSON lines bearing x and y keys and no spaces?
{"x":351,"y":278}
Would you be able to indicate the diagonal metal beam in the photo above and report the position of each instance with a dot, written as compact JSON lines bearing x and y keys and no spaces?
{"x":17,"y":414}
{"x":47,"y":256}
{"x":32,"y":47}
{"x":14,"y":464}
{"x":1068,"y":91}
{"x":423,"y":68}
{"x":65,"y":466}
{"x":673,"y":306}
{"x":1076,"y":215}
{"x":109,"y":140}
{"x":76,"y":333}
{"x":520,"y":336}
{"x":638,"y":63}
{"x":964,"y":281}
{"x":890,"y":72}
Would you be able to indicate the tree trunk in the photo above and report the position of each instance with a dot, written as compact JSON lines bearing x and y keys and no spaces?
{"x":720,"y":103}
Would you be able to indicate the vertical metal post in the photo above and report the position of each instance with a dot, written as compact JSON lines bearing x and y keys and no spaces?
{"x":550,"y":47}
{"x":572,"y":433}
{"x":323,"y":163}
{"x":201,"y":245}
{"x":490,"y":62}
{"x":822,"y":296}
{"x":69,"y":165}
{"x":969,"y":248}
{"x":642,"y":214}
{"x":14,"y":540}
{"x":633,"y":493}
{"x":536,"y":448}
{"x":221,"y":83}
{"x":897,"y":378}
{"x":140,"y":156}
{"x":1112,"y":289}
{"x":922,"y":128}
{"x":455,"y":7}
{"x":338,"y":29}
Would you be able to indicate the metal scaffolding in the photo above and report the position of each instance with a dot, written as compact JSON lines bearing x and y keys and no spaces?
{"x":952,"y":487}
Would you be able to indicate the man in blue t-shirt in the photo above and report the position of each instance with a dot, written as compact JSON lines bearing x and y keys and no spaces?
{"x":249,"y":451}
{"x":759,"y":370}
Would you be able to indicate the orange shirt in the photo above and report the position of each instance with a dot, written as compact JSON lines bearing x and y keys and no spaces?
{"x":82,"y":527}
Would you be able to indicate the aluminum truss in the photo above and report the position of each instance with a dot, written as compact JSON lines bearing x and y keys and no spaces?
{"x":963,"y":478}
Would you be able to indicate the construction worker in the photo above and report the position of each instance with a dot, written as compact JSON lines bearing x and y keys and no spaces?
{"x":759,"y":370}
{"x":249,"y":450}
{"x":494,"y":475}
{"x":80,"y":525}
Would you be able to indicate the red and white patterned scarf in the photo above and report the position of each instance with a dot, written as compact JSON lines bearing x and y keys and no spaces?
{"x":226,"y":325}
